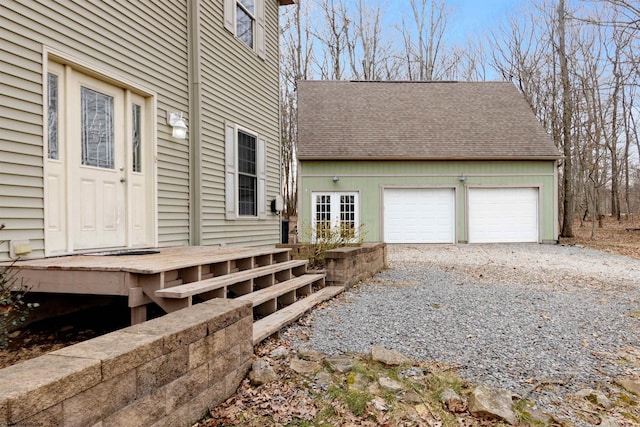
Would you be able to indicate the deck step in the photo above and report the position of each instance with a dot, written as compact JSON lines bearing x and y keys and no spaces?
{"x":271,"y":324}
{"x":266,"y":294}
{"x":202,"y":286}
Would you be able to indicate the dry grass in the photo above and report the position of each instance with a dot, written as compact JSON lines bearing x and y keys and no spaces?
{"x":616,"y":237}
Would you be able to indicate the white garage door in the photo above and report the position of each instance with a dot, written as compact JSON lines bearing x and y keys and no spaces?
{"x":419,"y":215}
{"x":503,"y":215}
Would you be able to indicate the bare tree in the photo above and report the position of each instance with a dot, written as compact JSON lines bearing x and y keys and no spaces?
{"x":567,"y":176}
{"x":629,"y":13}
{"x":520,"y":54}
{"x":332,"y":35}
{"x":466,"y":62}
{"x":296,"y":56}
{"x":577,"y":70}
{"x":422,"y":44}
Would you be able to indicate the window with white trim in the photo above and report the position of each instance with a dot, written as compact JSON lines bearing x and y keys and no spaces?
{"x":245,"y":173}
{"x":246,"y":20}
{"x":247,"y":178}
{"x":335,"y":215}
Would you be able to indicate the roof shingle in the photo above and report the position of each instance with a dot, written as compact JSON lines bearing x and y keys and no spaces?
{"x":418,"y":121}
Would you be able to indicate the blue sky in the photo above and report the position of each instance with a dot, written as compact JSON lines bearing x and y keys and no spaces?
{"x":466,"y":18}
{"x":478,"y":17}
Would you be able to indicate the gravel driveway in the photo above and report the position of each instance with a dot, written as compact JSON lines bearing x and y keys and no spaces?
{"x":508,"y":315}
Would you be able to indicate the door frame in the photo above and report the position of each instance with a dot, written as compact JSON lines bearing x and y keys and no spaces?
{"x":131,"y":91}
{"x":335,"y":221}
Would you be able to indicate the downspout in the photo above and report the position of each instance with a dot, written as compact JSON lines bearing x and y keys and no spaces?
{"x":281,"y":180}
{"x":195,"y":122}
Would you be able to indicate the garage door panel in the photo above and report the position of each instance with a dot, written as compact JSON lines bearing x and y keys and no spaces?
{"x":503,"y":215}
{"x":419,"y":215}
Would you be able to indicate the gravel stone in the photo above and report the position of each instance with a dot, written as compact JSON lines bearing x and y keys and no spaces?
{"x":509,"y":315}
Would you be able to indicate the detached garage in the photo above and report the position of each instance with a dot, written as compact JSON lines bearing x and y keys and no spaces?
{"x":427,"y":162}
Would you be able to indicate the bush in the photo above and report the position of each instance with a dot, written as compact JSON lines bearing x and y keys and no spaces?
{"x":325,"y":238}
{"x":13,"y":307}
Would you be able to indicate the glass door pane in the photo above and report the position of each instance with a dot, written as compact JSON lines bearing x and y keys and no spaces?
{"x":136,"y":137}
{"x":52,"y":115}
{"x":322,"y":220}
{"x":97,"y":134}
{"x":348,"y":216}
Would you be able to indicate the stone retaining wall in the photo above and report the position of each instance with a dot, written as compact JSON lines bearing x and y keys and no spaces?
{"x":164,"y":372}
{"x":348,"y":265}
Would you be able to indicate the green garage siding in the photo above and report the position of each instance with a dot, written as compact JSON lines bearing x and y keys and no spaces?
{"x":370,"y":177}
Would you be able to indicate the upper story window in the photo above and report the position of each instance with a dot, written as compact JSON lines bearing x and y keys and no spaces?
{"x":246,"y":20}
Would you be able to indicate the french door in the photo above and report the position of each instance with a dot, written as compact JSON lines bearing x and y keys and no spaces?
{"x":335,"y":215}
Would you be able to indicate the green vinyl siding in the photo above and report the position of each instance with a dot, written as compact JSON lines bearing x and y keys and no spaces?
{"x":370,"y":178}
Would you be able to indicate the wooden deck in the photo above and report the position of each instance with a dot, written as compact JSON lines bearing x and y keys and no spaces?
{"x":177,"y":277}
{"x":91,"y":274}
{"x":167,"y":259}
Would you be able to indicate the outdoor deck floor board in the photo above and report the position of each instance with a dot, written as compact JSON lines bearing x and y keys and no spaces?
{"x":168,"y":259}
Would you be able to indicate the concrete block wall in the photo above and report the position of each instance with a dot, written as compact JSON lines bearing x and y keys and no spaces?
{"x":165,"y":372}
{"x":349,"y":265}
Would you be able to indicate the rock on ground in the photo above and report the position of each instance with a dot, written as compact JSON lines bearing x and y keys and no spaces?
{"x":262,"y":372}
{"x":305,"y":367}
{"x":492,"y":402}
{"x":630,"y":385}
{"x":452,"y":401}
{"x":388,"y":357}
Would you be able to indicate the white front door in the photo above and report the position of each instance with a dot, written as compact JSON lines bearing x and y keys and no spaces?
{"x":98,"y":165}
{"x":99,"y":187}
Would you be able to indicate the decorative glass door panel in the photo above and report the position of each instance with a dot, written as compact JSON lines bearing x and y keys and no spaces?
{"x":99,"y":214}
{"x":98,"y":142}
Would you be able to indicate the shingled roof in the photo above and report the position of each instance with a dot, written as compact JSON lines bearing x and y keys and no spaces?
{"x":418,"y":121}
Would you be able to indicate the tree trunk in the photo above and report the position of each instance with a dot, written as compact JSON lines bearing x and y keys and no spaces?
{"x":567,"y":220}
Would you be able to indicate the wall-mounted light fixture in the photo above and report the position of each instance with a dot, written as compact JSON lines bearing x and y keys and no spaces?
{"x":336,"y":178}
{"x":462,"y":178}
{"x":176,"y":121}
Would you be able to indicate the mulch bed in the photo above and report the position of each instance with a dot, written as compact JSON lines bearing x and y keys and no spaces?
{"x":615,"y":237}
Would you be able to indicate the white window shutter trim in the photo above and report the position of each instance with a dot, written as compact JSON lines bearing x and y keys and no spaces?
{"x":261,"y":162}
{"x":230,"y":171}
{"x":230,"y":15}
{"x":260,"y":29}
